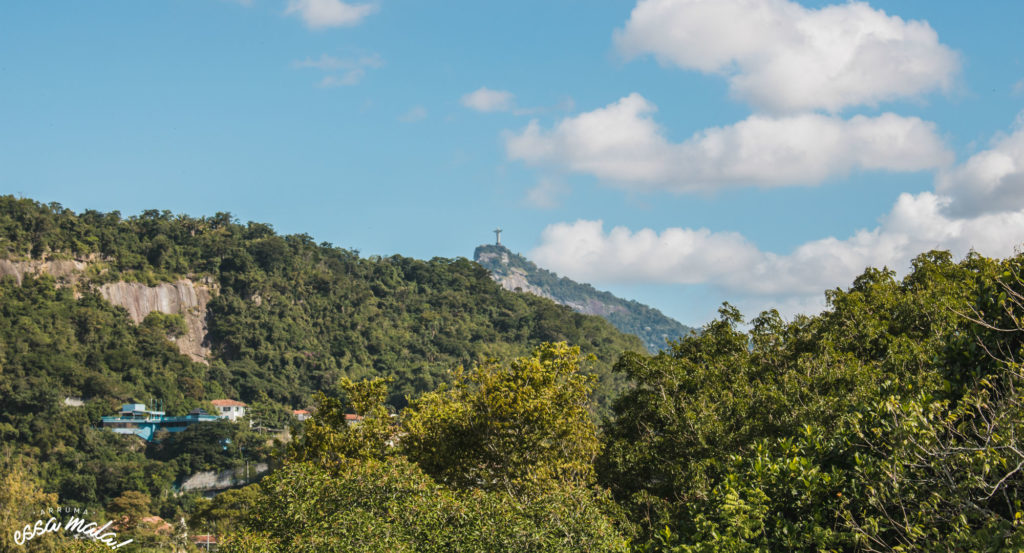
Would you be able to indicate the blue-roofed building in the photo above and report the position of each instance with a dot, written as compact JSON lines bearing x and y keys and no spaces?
{"x":135,"y":419}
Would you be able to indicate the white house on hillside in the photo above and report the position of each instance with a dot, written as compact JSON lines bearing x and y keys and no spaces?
{"x":229,"y":409}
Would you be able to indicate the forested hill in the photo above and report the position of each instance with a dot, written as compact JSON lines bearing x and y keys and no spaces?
{"x":891,"y":421}
{"x":515,"y":272}
{"x":287,"y":315}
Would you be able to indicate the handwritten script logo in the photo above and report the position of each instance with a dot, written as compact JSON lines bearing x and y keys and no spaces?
{"x":73,"y":525}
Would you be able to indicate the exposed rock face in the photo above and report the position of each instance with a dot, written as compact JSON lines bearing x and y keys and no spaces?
{"x":65,"y":271}
{"x":515,"y":281}
{"x":513,"y":278}
{"x":212,"y":480}
{"x":518,"y":274}
{"x":183,"y":297}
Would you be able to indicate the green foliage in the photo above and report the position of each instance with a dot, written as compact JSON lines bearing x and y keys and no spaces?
{"x":331,"y":440}
{"x":216,"y":445}
{"x":54,"y":345}
{"x":392,"y":505}
{"x":171,"y":325}
{"x":292,"y":317}
{"x":264,"y":412}
{"x":511,"y":427}
{"x":218,"y":516}
{"x":942,"y":469}
{"x":289,"y":317}
{"x":881,"y":424}
{"x":344,"y":488}
{"x":21,"y":500}
{"x":129,"y":508}
{"x":890,"y":422}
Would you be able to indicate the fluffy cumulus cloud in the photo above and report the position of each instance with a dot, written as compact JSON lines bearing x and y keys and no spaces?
{"x":621,"y":143}
{"x":585,"y":250}
{"x":798,"y":68}
{"x":322,"y":14}
{"x":783,"y":57}
{"x":486,"y":100}
{"x":990,"y":181}
{"x":972,"y":208}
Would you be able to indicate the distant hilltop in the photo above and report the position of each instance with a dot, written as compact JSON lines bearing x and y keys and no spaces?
{"x":518,"y":274}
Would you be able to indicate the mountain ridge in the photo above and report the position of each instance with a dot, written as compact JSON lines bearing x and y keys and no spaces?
{"x":518,"y":274}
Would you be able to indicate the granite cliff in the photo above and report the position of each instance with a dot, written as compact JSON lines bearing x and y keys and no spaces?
{"x":184,"y":297}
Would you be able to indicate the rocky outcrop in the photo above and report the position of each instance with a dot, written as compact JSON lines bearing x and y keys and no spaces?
{"x":515,"y":281}
{"x":66,"y":271}
{"x":518,"y":274}
{"x":184,"y":297}
{"x":212,"y":480}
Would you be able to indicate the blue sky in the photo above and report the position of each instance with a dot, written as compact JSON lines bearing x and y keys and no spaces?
{"x":680,"y":152}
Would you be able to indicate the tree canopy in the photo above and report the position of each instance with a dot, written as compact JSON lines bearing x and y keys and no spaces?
{"x":524,"y":482}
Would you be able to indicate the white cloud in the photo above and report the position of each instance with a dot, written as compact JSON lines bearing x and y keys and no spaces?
{"x":331,"y":63}
{"x":486,"y":100}
{"x":416,"y":113}
{"x":321,"y":14}
{"x":349,"y":78}
{"x":681,"y":256}
{"x":344,"y":71}
{"x":783,"y":57}
{"x":622,"y":144}
{"x":547,"y":194}
{"x":990,"y":181}
{"x":991,"y":222}
{"x":585,"y":251}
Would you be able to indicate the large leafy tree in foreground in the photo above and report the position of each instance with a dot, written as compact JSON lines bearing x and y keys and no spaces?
{"x":523,"y":483}
{"x":508,"y":428}
{"x":890,"y":422}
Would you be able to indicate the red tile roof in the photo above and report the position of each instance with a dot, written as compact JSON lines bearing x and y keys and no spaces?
{"x":227,"y":403}
{"x":159,"y":524}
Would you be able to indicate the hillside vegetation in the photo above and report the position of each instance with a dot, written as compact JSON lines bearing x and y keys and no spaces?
{"x":892,"y":421}
{"x":293,"y":315}
{"x":290,"y":317}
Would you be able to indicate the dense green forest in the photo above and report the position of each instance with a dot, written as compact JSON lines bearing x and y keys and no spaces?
{"x":289,"y":317}
{"x":889,"y":422}
{"x":632,"y":317}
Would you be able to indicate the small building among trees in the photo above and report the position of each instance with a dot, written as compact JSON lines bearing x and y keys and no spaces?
{"x":135,"y":418}
{"x":229,"y":409}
